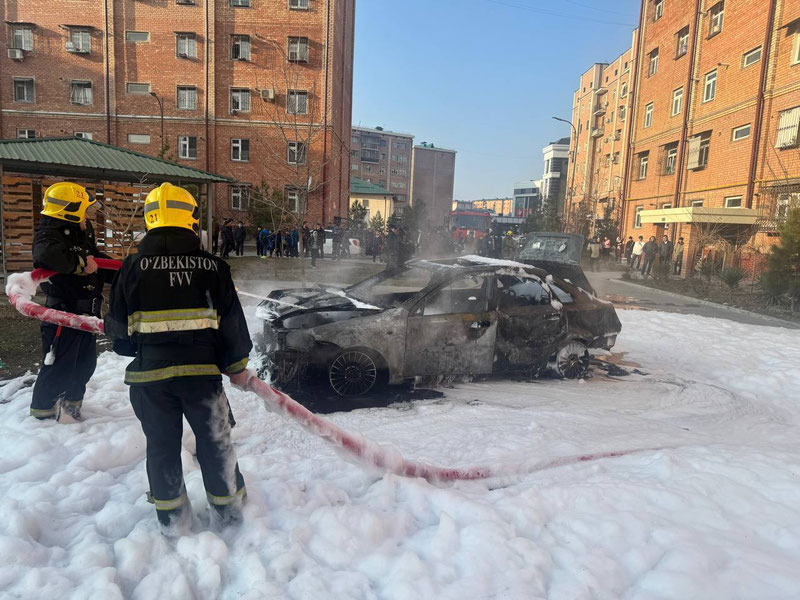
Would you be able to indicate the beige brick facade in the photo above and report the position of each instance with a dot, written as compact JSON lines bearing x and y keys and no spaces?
{"x":192,"y":45}
{"x":711,"y":85}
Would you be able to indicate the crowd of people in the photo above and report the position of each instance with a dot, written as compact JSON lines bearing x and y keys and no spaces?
{"x":638,"y":255}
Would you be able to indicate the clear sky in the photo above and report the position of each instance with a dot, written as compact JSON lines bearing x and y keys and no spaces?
{"x":482,"y":77}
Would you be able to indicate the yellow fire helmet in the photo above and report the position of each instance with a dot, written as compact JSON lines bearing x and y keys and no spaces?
{"x":67,"y":201}
{"x":171,"y":206}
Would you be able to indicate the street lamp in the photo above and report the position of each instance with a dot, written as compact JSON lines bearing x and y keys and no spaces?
{"x":161,"y":110}
{"x":574,"y":165}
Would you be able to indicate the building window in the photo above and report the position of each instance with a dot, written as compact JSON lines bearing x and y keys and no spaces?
{"x":79,"y":41}
{"x":138,"y":138}
{"x":297,"y":102}
{"x":24,"y":90}
{"x":137,"y":37}
{"x":296,"y":153}
{"x":623,"y":93}
{"x":186,"y":45}
{"x":621,"y":115}
{"x":682,"y":39}
{"x":733,"y":202}
{"x":398,"y":185}
{"x":23,"y":38}
{"x":751,"y":58}
{"x":240,"y":150}
{"x":658,"y":9}
{"x":298,"y":49}
{"x":643,"y":159}
{"x":637,"y":219}
{"x":670,"y":158}
{"x":740,"y":133}
{"x":80,"y":92}
{"x":648,"y":115}
{"x":653,"y":69}
{"x":677,"y":101}
{"x":298,"y":4}
{"x":187,"y":97}
{"x":237,"y":3}
{"x":187,"y":147}
{"x":240,"y":197}
{"x":697,"y":203}
{"x":796,"y":46}
{"x":698,"y":150}
{"x":715,"y":18}
{"x":84,"y":135}
{"x":788,"y":126}
{"x":26,"y":134}
{"x":137,"y":88}
{"x":240,"y":47}
{"x":240,"y":100}
{"x":295,"y":200}
{"x":710,"y":87}
{"x":400,"y":172}
{"x":354,"y":166}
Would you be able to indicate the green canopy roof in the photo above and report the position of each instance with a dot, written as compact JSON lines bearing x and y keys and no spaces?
{"x":87,"y":159}
{"x":359,"y":186}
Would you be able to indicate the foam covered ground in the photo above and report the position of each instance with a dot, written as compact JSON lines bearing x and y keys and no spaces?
{"x":710,"y":513}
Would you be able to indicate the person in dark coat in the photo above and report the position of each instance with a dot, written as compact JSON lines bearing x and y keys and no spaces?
{"x":306,"y":233}
{"x":239,"y":235}
{"x":629,"y":250}
{"x":650,"y":252}
{"x":321,"y":240}
{"x":174,"y":309}
{"x":64,"y":242}
{"x":227,"y":238}
{"x":665,"y":250}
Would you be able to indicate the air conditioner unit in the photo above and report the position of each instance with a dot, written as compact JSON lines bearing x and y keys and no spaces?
{"x":268,"y":94}
{"x":15,"y":53}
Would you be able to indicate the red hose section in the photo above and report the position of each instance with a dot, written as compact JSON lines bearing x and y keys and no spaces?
{"x":365,"y":452}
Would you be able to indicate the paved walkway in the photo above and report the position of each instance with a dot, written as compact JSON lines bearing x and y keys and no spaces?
{"x":625,"y":294}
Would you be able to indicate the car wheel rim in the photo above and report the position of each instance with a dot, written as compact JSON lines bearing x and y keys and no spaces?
{"x":572,"y":360}
{"x":353,"y":373}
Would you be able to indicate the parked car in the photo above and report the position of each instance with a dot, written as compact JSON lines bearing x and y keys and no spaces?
{"x":432,"y":319}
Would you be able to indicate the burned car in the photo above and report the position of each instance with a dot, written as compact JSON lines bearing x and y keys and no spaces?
{"x":434,"y":319}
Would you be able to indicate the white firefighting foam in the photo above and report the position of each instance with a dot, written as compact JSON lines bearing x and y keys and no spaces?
{"x":713,"y":516}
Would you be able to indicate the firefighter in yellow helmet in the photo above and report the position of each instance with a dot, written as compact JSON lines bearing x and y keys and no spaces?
{"x":174,"y":308}
{"x":64,"y":242}
{"x":509,"y":246}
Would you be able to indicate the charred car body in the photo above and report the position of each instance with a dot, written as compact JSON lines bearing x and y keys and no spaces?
{"x":429,"y":319}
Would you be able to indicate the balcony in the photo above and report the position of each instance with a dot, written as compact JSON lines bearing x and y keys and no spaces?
{"x":600,"y":109}
{"x":597,"y":132}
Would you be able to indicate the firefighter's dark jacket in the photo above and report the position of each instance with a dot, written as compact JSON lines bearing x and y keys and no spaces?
{"x":174,"y":307}
{"x":63,"y":247}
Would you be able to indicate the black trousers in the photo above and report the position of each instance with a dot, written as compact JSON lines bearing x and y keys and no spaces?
{"x":160,"y":408}
{"x":75,"y":361}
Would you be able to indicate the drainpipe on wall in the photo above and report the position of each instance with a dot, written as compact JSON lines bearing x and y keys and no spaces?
{"x":3,"y":228}
{"x":325,"y":114}
{"x":676,"y":200}
{"x":107,"y":60}
{"x":633,"y":94}
{"x":762,"y":85}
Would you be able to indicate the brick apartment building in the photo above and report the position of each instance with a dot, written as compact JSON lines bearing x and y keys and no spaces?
{"x":598,"y":149}
{"x":384,"y":158}
{"x":257,"y":90}
{"x":714,"y":118}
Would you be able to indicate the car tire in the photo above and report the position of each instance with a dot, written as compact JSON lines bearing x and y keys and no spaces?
{"x":571,"y":361}
{"x":356,"y":372}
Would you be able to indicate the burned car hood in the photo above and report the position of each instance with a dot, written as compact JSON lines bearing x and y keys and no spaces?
{"x":557,"y":253}
{"x":282,"y":304}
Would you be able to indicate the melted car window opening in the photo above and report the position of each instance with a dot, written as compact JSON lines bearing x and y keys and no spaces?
{"x":469,"y":294}
{"x":519,"y":291}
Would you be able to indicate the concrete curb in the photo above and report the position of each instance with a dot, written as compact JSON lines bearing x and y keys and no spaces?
{"x":735,"y":309}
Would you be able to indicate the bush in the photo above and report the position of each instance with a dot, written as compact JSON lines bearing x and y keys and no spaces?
{"x":707,"y":269}
{"x":732,"y":276}
{"x":774,"y":287}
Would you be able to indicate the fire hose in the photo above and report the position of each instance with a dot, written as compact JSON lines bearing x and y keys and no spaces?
{"x":21,"y":288}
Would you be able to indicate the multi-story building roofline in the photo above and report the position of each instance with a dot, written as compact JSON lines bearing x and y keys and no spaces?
{"x":383,"y":131}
